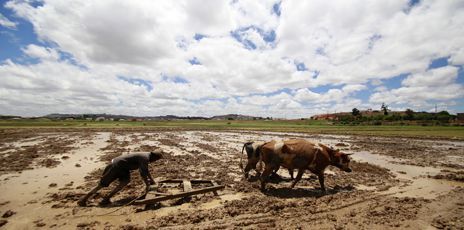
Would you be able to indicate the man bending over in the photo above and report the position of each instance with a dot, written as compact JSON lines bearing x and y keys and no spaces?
{"x":120,"y":168}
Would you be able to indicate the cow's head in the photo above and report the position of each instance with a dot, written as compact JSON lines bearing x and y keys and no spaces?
{"x":341,"y":160}
{"x":253,"y":152}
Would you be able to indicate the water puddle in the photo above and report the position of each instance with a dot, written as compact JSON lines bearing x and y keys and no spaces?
{"x":402,"y":171}
{"x":414,"y":179}
{"x":28,"y":188}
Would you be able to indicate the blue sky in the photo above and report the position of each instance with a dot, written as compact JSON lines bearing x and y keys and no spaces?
{"x":244,"y":57}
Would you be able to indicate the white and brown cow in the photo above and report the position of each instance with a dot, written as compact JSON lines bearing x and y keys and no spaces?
{"x":302,"y":155}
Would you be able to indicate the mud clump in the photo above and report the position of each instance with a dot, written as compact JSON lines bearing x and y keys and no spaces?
{"x":41,"y":150}
{"x":131,"y":227}
{"x":52,"y":185}
{"x":448,"y":222}
{"x":208,"y":147}
{"x":8,"y":213}
{"x":341,"y":144}
{"x":3,"y":222}
{"x":49,"y":162}
{"x":396,"y":210}
{"x":146,"y":148}
{"x":87,"y":225}
{"x":450,"y":175}
{"x":447,"y":210}
{"x":168,"y":142}
{"x":39,"y":223}
{"x":4,"y":203}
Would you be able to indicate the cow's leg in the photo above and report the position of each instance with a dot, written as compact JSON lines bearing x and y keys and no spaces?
{"x":298,"y":177}
{"x":265,"y":176}
{"x":259,"y":168}
{"x":247,"y":170}
{"x":274,"y":174}
{"x":290,"y":171}
{"x":83,"y":200}
{"x":121,"y":185}
{"x":321,"y":180}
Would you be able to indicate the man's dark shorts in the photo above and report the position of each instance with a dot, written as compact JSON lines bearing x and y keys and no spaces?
{"x":113,"y":172}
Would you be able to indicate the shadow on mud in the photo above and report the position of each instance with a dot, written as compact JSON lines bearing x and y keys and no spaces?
{"x":129,"y":200}
{"x":287,"y":192}
{"x":274,"y":179}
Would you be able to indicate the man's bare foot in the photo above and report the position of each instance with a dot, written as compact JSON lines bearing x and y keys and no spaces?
{"x":82,"y":203}
{"x":104,"y":202}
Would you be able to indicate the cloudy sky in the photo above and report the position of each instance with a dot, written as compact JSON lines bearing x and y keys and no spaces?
{"x":286,"y":59}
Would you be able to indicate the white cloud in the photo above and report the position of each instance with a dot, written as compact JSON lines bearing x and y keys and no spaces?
{"x":348,"y":44}
{"x":457,"y":57}
{"x":419,"y":95}
{"x":332,"y":95}
{"x":5,"y":22}
{"x":437,"y":85}
{"x":267,"y":100}
{"x":40,"y":52}
{"x":436,"y":77}
{"x":353,"y":88}
{"x":361,"y":40}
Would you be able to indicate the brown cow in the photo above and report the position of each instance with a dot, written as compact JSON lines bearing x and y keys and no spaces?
{"x":253,"y":157}
{"x":301,"y":154}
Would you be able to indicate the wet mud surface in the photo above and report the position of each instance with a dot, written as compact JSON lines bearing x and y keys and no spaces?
{"x":395,"y":183}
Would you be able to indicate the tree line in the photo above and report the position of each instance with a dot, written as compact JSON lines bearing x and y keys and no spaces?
{"x":385,"y":116}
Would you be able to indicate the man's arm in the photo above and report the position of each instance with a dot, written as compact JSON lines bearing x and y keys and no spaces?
{"x":146,"y":177}
{"x":145,"y":173}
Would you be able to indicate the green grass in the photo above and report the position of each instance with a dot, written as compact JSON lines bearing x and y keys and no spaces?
{"x":304,"y":126}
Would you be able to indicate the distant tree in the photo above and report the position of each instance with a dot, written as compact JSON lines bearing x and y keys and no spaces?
{"x":355,"y":112}
{"x":443,"y":116}
{"x":424,"y":116}
{"x":345,"y":119}
{"x":409,"y":114}
{"x":444,"y":113}
{"x":384,"y":108}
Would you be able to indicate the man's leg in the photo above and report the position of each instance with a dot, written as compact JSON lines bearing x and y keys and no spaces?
{"x":121,"y":185}
{"x":83,"y":200}
{"x":107,"y":178}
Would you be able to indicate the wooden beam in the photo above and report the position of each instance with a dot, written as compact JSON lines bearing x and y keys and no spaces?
{"x":195,"y":181}
{"x":179,"y":195}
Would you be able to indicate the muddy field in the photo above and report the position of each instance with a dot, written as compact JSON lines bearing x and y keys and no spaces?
{"x":395,"y":183}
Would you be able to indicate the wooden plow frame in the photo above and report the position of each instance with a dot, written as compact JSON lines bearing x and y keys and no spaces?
{"x":187,"y":190}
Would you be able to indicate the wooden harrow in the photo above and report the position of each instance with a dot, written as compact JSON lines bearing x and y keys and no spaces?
{"x":155,"y":197}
